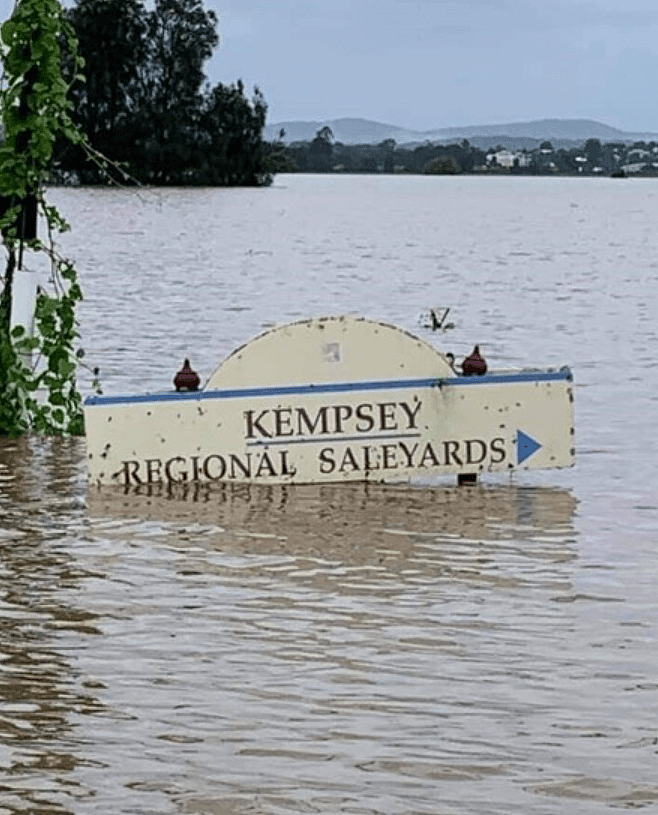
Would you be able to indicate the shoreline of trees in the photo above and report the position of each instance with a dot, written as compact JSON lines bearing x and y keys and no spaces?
{"x":593,"y":158}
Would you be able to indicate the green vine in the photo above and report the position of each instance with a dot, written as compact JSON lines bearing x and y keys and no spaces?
{"x":35,"y":115}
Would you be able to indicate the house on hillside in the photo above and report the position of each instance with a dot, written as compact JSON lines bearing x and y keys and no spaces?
{"x":634,"y":167}
{"x":508,"y":159}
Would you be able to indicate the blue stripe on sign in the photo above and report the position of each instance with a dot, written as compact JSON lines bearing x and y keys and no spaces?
{"x":333,"y":387}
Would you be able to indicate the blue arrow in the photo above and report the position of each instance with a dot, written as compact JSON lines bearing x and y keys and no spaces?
{"x":525,"y":446}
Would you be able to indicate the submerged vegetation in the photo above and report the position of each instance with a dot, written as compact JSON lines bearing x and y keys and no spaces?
{"x":146,"y":105}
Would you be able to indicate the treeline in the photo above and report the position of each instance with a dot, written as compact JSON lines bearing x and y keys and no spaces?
{"x":324,"y":155}
{"x":145,"y":103}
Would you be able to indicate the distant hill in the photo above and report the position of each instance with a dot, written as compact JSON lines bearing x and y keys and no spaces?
{"x":348,"y":131}
{"x":562,"y":132}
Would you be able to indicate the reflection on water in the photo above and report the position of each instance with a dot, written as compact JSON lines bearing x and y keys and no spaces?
{"x":340,"y":633}
{"x":369,"y":536}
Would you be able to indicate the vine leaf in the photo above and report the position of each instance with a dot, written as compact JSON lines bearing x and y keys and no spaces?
{"x":35,"y":114}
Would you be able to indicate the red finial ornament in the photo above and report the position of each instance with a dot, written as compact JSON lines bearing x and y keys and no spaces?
{"x":474,"y":365}
{"x":186,"y":379}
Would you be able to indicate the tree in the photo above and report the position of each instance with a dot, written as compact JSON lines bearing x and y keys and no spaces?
{"x":321,"y":150}
{"x":277,"y":160}
{"x":112,"y":38}
{"x":465,"y":156}
{"x":593,"y":151}
{"x":443,"y":165}
{"x":298,"y":153}
{"x":145,"y":104}
{"x":232,"y":148}
{"x":325,"y":134}
{"x":387,"y":148}
{"x":181,"y":38}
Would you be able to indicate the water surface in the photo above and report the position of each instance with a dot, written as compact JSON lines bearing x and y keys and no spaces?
{"x":352,"y":648}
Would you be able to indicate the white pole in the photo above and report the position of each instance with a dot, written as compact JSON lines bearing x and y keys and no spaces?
{"x":23,"y":304}
{"x":24,"y":299}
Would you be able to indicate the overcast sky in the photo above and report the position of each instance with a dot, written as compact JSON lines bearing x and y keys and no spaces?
{"x":438,"y":63}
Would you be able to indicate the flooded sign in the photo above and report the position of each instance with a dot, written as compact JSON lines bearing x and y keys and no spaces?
{"x":339,"y":399}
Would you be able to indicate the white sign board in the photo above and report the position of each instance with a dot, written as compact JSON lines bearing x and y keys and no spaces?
{"x":340,"y":399}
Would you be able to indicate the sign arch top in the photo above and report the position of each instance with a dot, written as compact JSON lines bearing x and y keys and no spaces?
{"x":330,"y":349}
